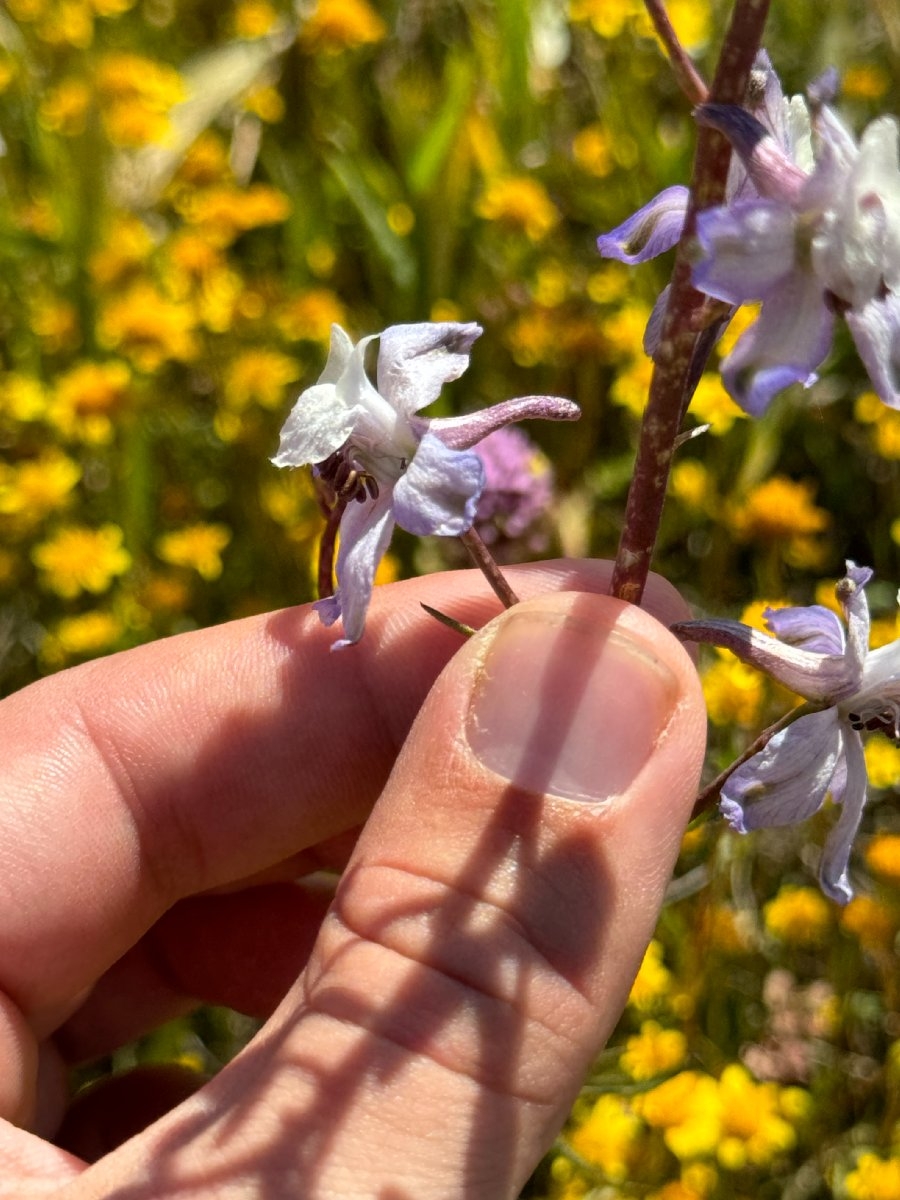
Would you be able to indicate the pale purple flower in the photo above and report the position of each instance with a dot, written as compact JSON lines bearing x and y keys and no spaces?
{"x":659,"y":225}
{"x":383,"y":462}
{"x":819,"y":754}
{"x":518,"y":487}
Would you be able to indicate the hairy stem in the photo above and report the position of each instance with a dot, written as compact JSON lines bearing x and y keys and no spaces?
{"x":677,"y":365}
{"x":686,"y":74}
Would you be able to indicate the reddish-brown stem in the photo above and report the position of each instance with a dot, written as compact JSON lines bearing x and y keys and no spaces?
{"x":484,"y":560}
{"x":686,"y":74}
{"x":676,"y":366}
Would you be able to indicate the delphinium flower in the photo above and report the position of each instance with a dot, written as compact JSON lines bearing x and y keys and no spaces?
{"x":659,"y":225}
{"x":518,"y":492}
{"x":850,"y":687}
{"x":380,"y":462}
{"x":812,"y":229}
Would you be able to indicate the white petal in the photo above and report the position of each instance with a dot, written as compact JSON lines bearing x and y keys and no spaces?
{"x":833,"y":868}
{"x":788,"y":780}
{"x":876,"y":332}
{"x":339,"y":352}
{"x":365,"y":535}
{"x":440,"y":490}
{"x":415,"y":361}
{"x":317,"y":425}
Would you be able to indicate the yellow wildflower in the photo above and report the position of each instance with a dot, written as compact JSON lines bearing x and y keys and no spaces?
{"x":882,"y":763}
{"x":800,"y":916}
{"x":687,"y":1109}
{"x":136,"y":95}
{"x":870,"y":920}
{"x":864,"y":81}
{"x":728,"y":929}
{"x":124,"y":252}
{"x":308,"y":316}
{"x":624,"y":331}
{"x":80,"y":559}
{"x":254,"y":18}
{"x":87,"y":399}
{"x":521,"y":203}
{"x":631,"y":386}
{"x":694,"y":485}
{"x":227,"y":211}
{"x":653,"y":1051}
{"x":63,"y":108}
{"x":55,"y":321}
{"x":735,"y":693}
{"x":591,"y":149}
{"x":883,"y":856}
{"x":778,"y":509}
{"x":22,"y":397}
{"x":205,"y":163}
{"x":609,"y":284}
{"x":754,"y":1130}
{"x":690,"y":19}
{"x":874,"y":1178}
{"x":32,"y":490}
{"x":83,"y":636}
{"x":337,"y":25}
{"x":259,"y":376}
{"x":608,"y":1137}
{"x":608,"y":18}
{"x":148,"y":328}
{"x":653,"y":982}
{"x":267,"y":103}
{"x":713,"y":406}
{"x":197,"y":546}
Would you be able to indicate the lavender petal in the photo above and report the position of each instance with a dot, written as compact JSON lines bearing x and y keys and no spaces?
{"x":650,"y":231}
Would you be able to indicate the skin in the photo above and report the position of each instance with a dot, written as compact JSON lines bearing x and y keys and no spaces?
{"x":163,"y":812}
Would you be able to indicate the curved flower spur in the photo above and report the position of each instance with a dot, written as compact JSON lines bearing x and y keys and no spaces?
{"x":850,"y":688}
{"x":381,"y":463}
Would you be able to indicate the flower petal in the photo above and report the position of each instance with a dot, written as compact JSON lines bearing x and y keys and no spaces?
{"x":789,"y":339}
{"x":819,"y":677}
{"x":462,"y":432}
{"x":876,"y":331}
{"x":851,"y":593}
{"x":319,"y":423}
{"x":815,"y":628}
{"x":415,"y":361}
{"x":768,"y":165}
{"x":833,"y":868}
{"x":339,"y":351}
{"x":650,"y":231}
{"x":788,"y":780}
{"x":747,"y":250}
{"x":439,"y":492}
{"x":365,"y":535}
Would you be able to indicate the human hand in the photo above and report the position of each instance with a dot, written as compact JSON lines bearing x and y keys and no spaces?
{"x":161,"y":807}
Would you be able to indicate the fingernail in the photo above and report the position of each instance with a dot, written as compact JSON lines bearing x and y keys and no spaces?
{"x":567,"y":707}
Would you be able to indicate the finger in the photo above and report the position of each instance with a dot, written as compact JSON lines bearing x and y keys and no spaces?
{"x":484,"y":937}
{"x":197,"y":761}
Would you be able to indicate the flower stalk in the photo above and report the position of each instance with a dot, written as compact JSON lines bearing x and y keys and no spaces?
{"x":684,"y":344}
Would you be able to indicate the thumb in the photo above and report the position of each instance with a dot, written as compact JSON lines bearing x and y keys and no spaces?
{"x":485,"y":935}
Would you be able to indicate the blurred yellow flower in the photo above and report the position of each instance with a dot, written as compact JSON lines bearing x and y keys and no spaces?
{"x":267,"y":103}
{"x":259,"y":376}
{"x":148,"y":328}
{"x":205,"y":163}
{"x":871,"y":920}
{"x":521,"y":203}
{"x":883,"y":856}
{"x":33,"y":489}
{"x":22,"y":397}
{"x":882,"y":762}
{"x":591,"y":150}
{"x":735,"y":693}
{"x":83,"y":636}
{"x":254,"y":18}
{"x":874,"y":1178}
{"x":800,"y":916}
{"x":608,"y":18}
{"x":309,"y":316}
{"x":63,"y":108}
{"x":711,"y":405}
{"x":694,"y":485}
{"x":780,"y":508}
{"x":864,"y":81}
{"x":126,"y":247}
{"x":227,"y":211}
{"x":88,"y":398}
{"x":136,"y":95}
{"x":79,"y":559}
{"x":608,"y":1137}
{"x":754,"y":1128}
{"x":198,"y":547}
{"x":654,"y":1051}
{"x":654,"y":981}
{"x":336,"y":25}
{"x":688,"y":1111}
{"x":631,"y":385}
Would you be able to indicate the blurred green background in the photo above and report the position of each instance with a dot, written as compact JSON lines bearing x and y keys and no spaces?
{"x":192,"y":192}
